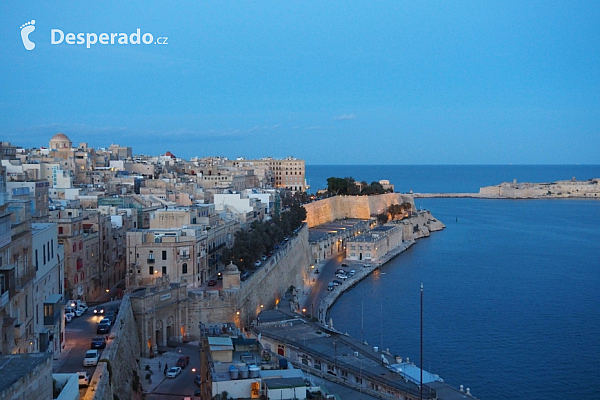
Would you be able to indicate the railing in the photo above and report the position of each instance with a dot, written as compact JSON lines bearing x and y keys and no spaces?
{"x":25,"y":278}
{"x":150,"y":260}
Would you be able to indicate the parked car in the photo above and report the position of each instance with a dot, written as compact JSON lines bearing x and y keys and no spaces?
{"x":340,"y":271}
{"x":103,"y":328}
{"x":98,"y":342}
{"x":342,"y":276}
{"x":173,"y":372}
{"x":75,"y":311}
{"x":336,"y":282}
{"x":344,"y":265}
{"x":106,"y":321}
{"x":182,"y":362}
{"x":264,"y":257}
{"x":110,"y":316}
{"x":212,"y":282}
{"x":367,"y":265}
{"x":91,"y":358}
{"x":257,"y":263}
{"x":99,"y":310}
{"x":84,"y":378}
{"x":78,"y":304}
{"x":198,"y":380}
{"x":352,"y":272}
{"x":330,"y":286}
{"x":68,"y":317}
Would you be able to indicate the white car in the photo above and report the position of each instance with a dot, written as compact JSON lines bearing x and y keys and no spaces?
{"x":257,"y":263}
{"x":352,"y":272}
{"x":173,"y":372}
{"x":84,"y":378}
{"x":75,"y":311}
{"x":91,"y":358}
{"x":342,"y":276}
{"x":68,"y":317}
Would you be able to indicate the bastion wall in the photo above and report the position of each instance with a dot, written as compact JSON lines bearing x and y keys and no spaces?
{"x":360,"y":207}
{"x":119,"y":378}
{"x":288,"y":267}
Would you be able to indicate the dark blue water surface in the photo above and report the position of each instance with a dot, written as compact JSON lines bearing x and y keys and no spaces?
{"x":448,"y":178}
{"x":512,"y":287}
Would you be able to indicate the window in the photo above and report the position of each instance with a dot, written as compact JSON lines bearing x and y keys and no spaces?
{"x":151,"y":270}
{"x":164,"y":270}
{"x":36,"y":260}
{"x":60,"y":230}
{"x":184,"y":268}
{"x":43,"y":252}
{"x":164,"y":254}
{"x":52,"y":247}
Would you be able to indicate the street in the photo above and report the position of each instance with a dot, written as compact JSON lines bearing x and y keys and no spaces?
{"x":78,"y":336}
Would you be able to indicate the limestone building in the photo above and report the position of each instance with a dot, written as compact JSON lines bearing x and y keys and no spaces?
{"x":179,"y":254}
{"x":288,"y":173}
{"x":374,"y":244}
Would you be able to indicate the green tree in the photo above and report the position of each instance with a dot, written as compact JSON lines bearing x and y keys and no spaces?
{"x":383,"y":218}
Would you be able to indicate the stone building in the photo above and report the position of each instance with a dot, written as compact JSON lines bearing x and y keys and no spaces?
{"x":288,"y":173}
{"x":26,"y":376}
{"x":48,"y":258}
{"x":70,"y":236}
{"x":179,"y":254}
{"x":374,"y":244}
{"x":161,"y":314}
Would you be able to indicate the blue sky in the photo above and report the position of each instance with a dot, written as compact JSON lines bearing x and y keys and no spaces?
{"x":360,"y":82}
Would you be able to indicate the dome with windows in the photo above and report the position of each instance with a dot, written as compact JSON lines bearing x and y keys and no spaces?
{"x":60,"y":141}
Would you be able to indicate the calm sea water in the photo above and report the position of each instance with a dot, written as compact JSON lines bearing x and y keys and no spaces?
{"x":512,"y":287}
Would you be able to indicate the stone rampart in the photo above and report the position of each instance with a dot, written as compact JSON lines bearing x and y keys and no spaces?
{"x":360,"y":207}
{"x":119,"y":377}
{"x":288,"y":267}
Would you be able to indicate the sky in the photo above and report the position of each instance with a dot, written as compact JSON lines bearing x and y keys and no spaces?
{"x":330,"y":82}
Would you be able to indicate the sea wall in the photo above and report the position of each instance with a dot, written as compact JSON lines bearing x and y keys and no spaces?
{"x":360,"y":207}
{"x":119,"y":377}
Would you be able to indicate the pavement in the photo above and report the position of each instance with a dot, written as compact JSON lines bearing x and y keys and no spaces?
{"x":59,"y":358}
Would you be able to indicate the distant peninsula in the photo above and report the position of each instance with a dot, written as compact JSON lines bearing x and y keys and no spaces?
{"x":513,"y":190}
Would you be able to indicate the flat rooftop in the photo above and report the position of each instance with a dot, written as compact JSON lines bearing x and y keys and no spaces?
{"x":318,"y":233}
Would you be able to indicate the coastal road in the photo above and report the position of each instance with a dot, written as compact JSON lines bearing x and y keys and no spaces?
{"x":319,"y":288}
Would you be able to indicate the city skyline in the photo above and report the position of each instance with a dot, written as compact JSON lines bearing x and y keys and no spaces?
{"x":335,"y":83}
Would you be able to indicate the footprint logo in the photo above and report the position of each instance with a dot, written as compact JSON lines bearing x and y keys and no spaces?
{"x":26,"y":29}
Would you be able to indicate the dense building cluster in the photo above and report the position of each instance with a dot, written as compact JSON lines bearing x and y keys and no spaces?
{"x":86,"y":223}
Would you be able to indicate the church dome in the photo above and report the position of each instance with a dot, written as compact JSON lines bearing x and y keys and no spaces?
{"x":60,"y":141}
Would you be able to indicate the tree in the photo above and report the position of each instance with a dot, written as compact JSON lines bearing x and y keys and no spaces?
{"x":383,"y":218}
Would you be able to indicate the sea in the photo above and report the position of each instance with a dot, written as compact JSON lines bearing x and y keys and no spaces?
{"x":511,"y":288}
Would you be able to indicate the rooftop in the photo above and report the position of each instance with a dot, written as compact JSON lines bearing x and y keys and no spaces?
{"x":15,"y":366}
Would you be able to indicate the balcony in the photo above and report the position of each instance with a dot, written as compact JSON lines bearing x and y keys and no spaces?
{"x":150,"y":261}
{"x":24,"y":279}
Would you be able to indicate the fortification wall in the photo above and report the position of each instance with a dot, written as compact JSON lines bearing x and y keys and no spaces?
{"x":361,"y":207}
{"x":288,"y":267}
{"x":119,"y":378}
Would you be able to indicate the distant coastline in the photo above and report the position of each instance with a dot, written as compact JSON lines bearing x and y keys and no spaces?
{"x":574,"y":189}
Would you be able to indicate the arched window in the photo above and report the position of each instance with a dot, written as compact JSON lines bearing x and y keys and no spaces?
{"x":184,"y":268}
